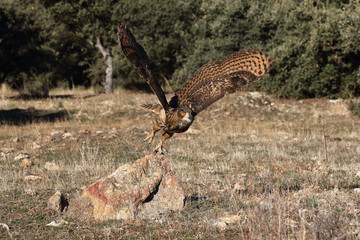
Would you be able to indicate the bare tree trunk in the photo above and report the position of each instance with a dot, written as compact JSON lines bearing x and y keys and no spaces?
{"x":109,"y":65}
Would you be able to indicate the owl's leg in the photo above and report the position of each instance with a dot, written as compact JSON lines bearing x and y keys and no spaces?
{"x":159,"y":148}
{"x":150,"y":136}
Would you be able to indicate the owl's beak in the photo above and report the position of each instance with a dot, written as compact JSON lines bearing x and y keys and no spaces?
{"x":188,"y":117}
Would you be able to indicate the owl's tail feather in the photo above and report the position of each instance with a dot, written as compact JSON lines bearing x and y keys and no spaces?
{"x":156,"y":108}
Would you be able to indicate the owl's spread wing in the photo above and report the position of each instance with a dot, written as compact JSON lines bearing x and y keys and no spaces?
{"x":216,"y":79}
{"x":138,"y":57}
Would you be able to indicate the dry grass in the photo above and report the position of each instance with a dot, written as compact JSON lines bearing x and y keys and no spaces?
{"x":286,"y":168}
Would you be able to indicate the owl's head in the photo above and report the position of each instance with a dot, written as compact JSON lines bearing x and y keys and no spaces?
{"x":182,"y":118}
{"x":185,"y":114}
{"x":121,"y":30}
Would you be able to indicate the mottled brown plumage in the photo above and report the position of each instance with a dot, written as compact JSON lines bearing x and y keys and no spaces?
{"x":211,"y":82}
{"x":216,"y":79}
{"x":138,"y":57}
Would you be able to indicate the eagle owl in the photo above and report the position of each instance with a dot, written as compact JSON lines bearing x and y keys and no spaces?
{"x":211,"y":82}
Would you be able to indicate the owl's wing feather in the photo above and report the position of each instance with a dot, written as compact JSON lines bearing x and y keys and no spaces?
{"x":138,"y":57}
{"x":216,"y":79}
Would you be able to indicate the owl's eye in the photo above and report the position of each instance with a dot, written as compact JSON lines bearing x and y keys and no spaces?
{"x":183,"y":113}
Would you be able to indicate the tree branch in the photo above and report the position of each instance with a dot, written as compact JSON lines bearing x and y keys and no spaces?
{"x":103,"y":51}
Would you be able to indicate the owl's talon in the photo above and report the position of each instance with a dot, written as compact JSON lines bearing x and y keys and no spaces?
{"x":156,"y":151}
{"x":159,"y":149}
{"x":149,"y":138}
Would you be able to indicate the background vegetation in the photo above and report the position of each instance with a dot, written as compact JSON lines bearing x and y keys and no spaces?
{"x":48,"y":44}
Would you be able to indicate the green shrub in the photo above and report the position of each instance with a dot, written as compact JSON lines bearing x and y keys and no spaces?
{"x":354,"y":108}
{"x":315,"y":53}
{"x":34,"y":86}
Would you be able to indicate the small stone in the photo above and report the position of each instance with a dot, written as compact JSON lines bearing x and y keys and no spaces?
{"x":67,"y":135}
{"x":57,"y":202}
{"x":57,"y":223}
{"x":357,"y":191}
{"x":3,"y":225}
{"x":110,"y":136}
{"x":35,"y":145}
{"x":219,"y":224}
{"x":30,"y":192}
{"x":33,"y":178}
{"x":5,"y":153}
{"x":26,"y":162}
{"x":230,"y":219}
{"x":108,"y":103}
{"x":56,"y":133}
{"x":357,"y":174}
{"x":22,"y":156}
{"x":51,"y":166}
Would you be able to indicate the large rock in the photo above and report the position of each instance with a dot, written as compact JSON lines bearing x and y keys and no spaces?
{"x":144,"y":189}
